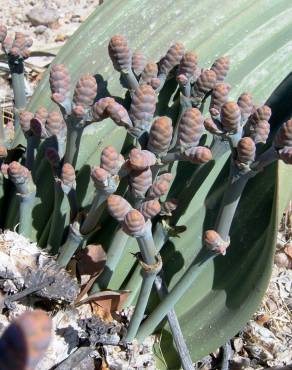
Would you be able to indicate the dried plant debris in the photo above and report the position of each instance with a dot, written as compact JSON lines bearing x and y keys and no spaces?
{"x":24,"y":265}
{"x":137,"y":356}
{"x":82,"y":337}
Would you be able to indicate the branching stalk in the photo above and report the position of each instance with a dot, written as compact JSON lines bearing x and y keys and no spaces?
{"x":130,"y":80}
{"x":74,"y":133}
{"x":162,"y":290}
{"x":232,"y":195}
{"x":74,"y":239}
{"x":72,"y":198}
{"x":160,"y":236}
{"x":25,"y":213}
{"x":31,"y":148}
{"x":114,"y":254}
{"x":185,"y":103}
{"x":26,"y":191}
{"x":172,"y":157}
{"x":149,"y":274}
{"x":95,"y":212}
{"x":18,"y":86}
{"x":149,"y":325}
{"x":151,"y":264}
{"x":149,"y":254}
{"x":2,"y":134}
{"x":60,"y":217}
{"x":266,"y":158}
{"x":73,"y":144}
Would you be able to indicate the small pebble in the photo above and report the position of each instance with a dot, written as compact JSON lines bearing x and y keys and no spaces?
{"x":282,"y":260}
{"x":42,"y":16}
{"x":39,"y":30}
{"x":272,"y":306}
{"x":238,"y":344}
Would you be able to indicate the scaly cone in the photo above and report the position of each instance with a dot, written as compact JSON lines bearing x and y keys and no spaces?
{"x":60,"y":83}
{"x":246,"y":150}
{"x":257,"y":126}
{"x":120,"y":53}
{"x":190,"y":130}
{"x":118,"y":207}
{"x":121,"y":56}
{"x":149,"y":75}
{"x":85,"y":91}
{"x":138,"y":62}
{"x":221,"y":67}
{"x":140,"y":182}
{"x":230,"y":117}
{"x":245,"y":103}
{"x":284,"y":135}
{"x":111,"y":160}
{"x":150,"y":208}
{"x":219,"y":96}
{"x":142,"y":108}
{"x":205,"y":83}
{"x":140,"y":160}
{"x":160,"y":135}
{"x":188,"y":64}
{"x":172,"y":58}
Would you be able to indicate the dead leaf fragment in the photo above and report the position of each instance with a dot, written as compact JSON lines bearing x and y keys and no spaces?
{"x":109,"y":300}
{"x":61,"y":38}
{"x":91,"y":260}
{"x":288,"y":249}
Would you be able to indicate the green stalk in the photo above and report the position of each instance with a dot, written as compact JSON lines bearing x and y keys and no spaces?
{"x":73,"y":241}
{"x":149,"y":325}
{"x":18,"y":86}
{"x":151,"y":267}
{"x":236,"y":184}
{"x":26,"y":191}
{"x":95,"y":212}
{"x":72,"y":198}
{"x":232,"y":195}
{"x":130,"y":80}
{"x":2,"y":179}
{"x":31,"y":148}
{"x":113,"y":256}
{"x":172,"y":157}
{"x":186,"y":89}
{"x":149,"y":250}
{"x":148,"y":280}
{"x":2,"y":134}
{"x":162,"y":78}
{"x":43,"y":241}
{"x":25,"y":213}
{"x":185,"y":103}
{"x":60,"y":218}
{"x":73,"y":143}
{"x":266,"y":158}
{"x":186,"y":361}
{"x":219,"y":147}
{"x":160,"y":236}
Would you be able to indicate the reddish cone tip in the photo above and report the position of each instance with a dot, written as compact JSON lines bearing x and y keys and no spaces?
{"x":134,"y":223}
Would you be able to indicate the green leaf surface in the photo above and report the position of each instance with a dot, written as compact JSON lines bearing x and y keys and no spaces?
{"x":257,"y":35}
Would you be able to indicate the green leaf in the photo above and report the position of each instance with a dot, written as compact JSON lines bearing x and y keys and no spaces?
{"x":257,"y":35}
